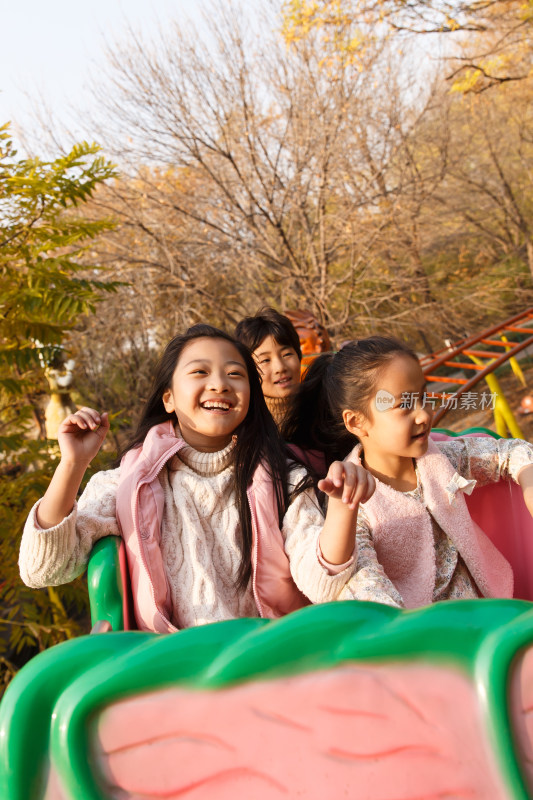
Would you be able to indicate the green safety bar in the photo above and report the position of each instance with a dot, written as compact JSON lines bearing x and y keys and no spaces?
{"x":467,"y":431}
{"x":106,"y":595}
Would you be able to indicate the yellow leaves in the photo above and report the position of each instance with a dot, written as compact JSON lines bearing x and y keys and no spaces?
{"x":486,"y":73}
{"x":468,"y":82}
{"x":354,"y":44}
{"x":452,"y":24}
{"x":333,"y":23}
{"x":345,"y":27}
{"x":526,"y":11}
{"x":301,"y":17}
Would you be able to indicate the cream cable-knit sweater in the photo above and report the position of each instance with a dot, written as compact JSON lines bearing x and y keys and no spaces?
{"x":199,"y":540}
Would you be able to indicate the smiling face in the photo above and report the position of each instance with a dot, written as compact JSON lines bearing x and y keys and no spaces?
{"x":210,"y":393}
{"x":398,"y":422}
{"x":279,"y":367}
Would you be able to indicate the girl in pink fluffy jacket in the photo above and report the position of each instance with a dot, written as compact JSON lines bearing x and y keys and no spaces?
{"x":416,"y":541}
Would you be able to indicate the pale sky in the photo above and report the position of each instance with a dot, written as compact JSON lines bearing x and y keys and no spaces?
{"x":51,"y":48}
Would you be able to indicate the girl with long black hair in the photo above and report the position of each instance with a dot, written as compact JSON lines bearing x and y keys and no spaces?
{"x":218,"y":523}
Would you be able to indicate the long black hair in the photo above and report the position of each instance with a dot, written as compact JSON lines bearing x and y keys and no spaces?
{"x":258,"y":439}
{"x":333,"y":383}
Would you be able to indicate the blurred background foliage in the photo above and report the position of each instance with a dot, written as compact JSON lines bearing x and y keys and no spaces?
{"x":43,"y":292}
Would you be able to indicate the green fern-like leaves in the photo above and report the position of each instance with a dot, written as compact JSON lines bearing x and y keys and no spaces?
{"x":44,"y":289}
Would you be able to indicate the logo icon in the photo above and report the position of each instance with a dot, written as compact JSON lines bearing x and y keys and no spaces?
{"x":384,"y":400}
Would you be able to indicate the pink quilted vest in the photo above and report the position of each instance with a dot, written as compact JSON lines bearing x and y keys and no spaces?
{"x":403,"y":536}
{"x":140,"y":503}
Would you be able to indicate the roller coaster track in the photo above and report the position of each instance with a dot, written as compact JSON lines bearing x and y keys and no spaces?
{"x":437,"y":366}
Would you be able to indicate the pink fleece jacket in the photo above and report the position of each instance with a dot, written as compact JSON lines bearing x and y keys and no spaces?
{"x":403,"y":535}
{"x":140,"y":512}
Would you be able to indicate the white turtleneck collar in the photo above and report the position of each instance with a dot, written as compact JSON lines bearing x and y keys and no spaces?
{"x":205,"y":463}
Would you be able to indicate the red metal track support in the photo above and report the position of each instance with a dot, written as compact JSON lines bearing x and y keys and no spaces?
{"x":444,"y":357}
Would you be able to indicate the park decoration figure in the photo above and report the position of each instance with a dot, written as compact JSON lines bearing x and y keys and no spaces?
{"x":314,"y":338}
{"x":60,"y":378}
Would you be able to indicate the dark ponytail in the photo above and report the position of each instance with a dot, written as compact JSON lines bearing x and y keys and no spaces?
{"x":310,"y":423}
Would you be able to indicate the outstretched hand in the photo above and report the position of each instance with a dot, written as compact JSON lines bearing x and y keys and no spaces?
{"x":81,"y":435}
{"x":348,"y":482}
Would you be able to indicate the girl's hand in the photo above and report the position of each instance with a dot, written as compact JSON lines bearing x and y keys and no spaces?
{"x":348,"y":482}
{"x":81,"y":435}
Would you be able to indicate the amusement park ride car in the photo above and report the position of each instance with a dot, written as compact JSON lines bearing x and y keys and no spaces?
{"x":340,"y":700}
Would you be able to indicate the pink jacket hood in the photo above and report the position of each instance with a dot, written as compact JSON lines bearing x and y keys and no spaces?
{"x":403,"y":536}
{"x":140,"y":503}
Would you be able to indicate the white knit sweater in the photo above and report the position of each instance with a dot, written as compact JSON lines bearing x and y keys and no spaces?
{"x":199,"y":540}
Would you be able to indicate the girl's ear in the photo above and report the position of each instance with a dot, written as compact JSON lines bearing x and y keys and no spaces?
{"x":168,"y":401}
{"x":354,"y":422}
